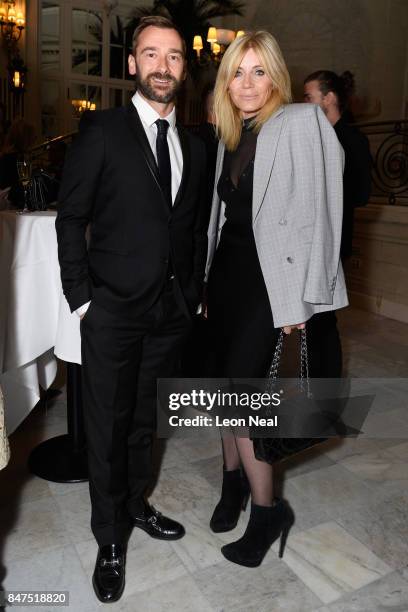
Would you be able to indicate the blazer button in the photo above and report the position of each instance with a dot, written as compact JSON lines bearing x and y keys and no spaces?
{"x":289,"y":259}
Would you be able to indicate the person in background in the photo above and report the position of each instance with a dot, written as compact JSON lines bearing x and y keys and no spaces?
{"x":331,"y":92}
{"x":273,"y":255}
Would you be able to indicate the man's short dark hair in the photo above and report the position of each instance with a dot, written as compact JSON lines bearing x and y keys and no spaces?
{"x":158,"y":21}
{"x":341,"y":85}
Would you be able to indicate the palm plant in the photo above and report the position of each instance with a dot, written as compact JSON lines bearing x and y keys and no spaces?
{"x":190,"y":16}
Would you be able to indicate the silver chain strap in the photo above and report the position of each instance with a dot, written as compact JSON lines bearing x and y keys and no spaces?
{"x":304,"y":363}
{"x":304,"y":360}
{"x":273,"y":370}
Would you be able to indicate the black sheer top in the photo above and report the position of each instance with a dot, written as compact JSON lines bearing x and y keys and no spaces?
{"x":235,"y":187}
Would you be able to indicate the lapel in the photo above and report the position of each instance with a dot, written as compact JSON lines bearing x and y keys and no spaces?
{"x":216,"y":200}
{"x":220,"y":161}
{"x":138,"y":132}
{"x":185,"y":149}
{"x":266,"y":147}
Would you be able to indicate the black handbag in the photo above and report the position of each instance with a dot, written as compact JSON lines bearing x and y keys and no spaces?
{"x":272,"y":450}
{"x":42,"y":190}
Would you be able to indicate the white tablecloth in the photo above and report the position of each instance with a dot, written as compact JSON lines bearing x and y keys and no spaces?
{"x":34,"y":315}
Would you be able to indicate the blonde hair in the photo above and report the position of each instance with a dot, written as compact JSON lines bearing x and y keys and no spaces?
{"x":227,"y":115}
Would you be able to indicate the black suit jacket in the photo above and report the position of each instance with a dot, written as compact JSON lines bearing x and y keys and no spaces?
{"x":356,"y":178}
{"x":110,"y":181}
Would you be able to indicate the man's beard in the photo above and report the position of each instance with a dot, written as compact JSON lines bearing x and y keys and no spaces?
{"x":146,"y":87}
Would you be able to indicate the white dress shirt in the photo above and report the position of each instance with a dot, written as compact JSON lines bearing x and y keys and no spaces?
{"x":148,"y":117}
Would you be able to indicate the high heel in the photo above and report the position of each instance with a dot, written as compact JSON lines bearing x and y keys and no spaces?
{"x":266,"y":524}
{"x":234,"y":498}
{"x":283,"y":538}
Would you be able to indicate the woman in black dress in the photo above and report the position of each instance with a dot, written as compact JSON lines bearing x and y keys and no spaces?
{"x":254,"y":77}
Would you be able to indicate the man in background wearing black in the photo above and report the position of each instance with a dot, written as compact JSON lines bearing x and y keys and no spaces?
{"x":139,"y":179}
{"x":331,"y":93}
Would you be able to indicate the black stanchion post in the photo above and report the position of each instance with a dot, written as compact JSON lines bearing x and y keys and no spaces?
{"x":63,"y":458}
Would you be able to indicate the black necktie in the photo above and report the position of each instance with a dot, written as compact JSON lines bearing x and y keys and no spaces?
{"x":163,"y":158}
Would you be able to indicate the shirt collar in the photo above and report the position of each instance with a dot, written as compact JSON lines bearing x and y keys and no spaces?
{"x":147,"y":113}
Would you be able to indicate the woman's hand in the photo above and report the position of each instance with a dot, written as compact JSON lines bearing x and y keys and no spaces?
{"x":288,"y":328}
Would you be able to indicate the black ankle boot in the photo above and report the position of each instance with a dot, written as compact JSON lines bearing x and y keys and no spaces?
{"x":234,"y":498}
{"x":266,"y":524}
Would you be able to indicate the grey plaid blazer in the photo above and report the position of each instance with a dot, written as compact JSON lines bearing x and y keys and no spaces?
{"x":297,"y":211}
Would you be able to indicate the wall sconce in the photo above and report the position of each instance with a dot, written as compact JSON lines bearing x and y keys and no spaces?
{"x":197,"y":44}
{"x":12,"y":24}
{"x":17,"y":80}
{"x":219,"y":40}
{"x":212,"y":35}
{"x":216,"y":49}
{"x":17,"y":71}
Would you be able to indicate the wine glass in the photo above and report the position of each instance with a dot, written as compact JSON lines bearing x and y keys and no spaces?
{"x":24,"y":175}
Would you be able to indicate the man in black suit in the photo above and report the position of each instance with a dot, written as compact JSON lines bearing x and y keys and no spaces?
{"x":138,"y":179}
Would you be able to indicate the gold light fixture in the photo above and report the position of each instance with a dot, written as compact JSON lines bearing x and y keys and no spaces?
{"x":212,"y":35}
{"x":197,"y":44}
{"x":17,"y":71}
{"x":82,"y":105}
{"x":12,"y":23}
{"x":216,"y":49}
{"x":219,"y":40}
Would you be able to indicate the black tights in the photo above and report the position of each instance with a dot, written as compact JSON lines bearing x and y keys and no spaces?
{"x":240,"y":451}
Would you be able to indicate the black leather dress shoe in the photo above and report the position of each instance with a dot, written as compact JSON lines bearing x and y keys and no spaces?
{"x":109,"y":576}
{"x":156,"y":525}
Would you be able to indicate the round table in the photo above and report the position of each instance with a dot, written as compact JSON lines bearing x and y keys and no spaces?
{"x":35,"y":325}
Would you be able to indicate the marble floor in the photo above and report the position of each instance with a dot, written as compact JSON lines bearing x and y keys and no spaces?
{"x":347,"y":552}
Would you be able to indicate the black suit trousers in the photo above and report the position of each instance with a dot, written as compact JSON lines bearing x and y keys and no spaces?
{"x":121,"y":361}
